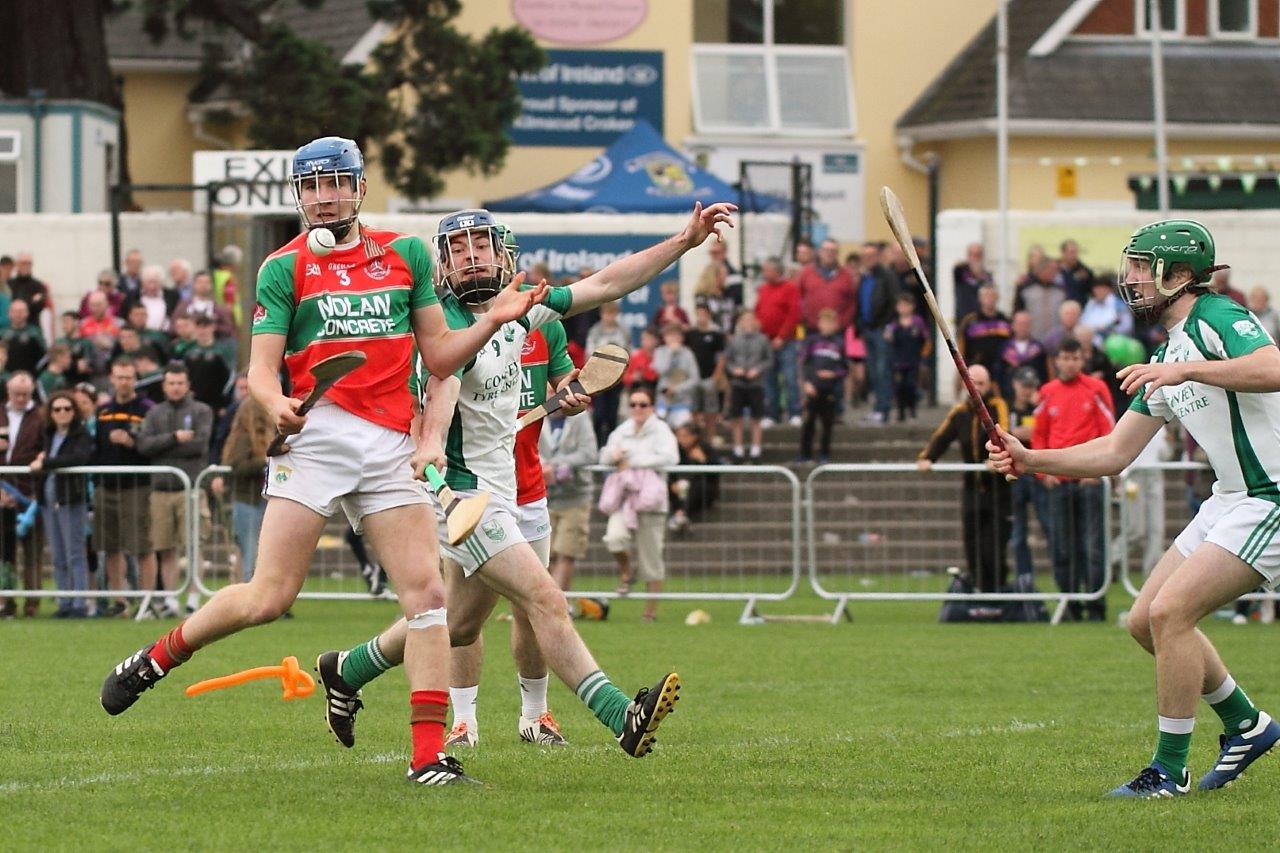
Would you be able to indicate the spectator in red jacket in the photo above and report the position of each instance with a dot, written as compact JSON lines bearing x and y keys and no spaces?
{"x":670,"y":311}
{"x":778,"y":311}
{"x":827,"y":284}
{"x":640,"y":372}
{"x":1075,"y":408}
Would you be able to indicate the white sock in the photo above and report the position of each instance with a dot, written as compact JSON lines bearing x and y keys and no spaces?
{"x":533,"y":697}
{"x":1176,"y":725}
{"x":463,"y":700}
{"x":193,"y":600}
{"x":755,"y":451}
{"x":1225,"y":689}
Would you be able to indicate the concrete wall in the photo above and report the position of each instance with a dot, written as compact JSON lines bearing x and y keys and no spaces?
{"x":69,"y":250}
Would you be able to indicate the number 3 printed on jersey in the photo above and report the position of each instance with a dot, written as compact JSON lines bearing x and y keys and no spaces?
{"x":343,"y":278}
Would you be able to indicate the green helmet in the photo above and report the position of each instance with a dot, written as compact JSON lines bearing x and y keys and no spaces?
{"x":509,"y":242}
{"x":1150,"y":256}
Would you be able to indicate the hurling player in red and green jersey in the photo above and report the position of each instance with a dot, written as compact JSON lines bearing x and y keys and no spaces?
{"x":373,"y":293}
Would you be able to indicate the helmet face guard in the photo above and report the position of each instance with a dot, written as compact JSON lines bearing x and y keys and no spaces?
{"x":323,"y":163}
{"x":1147,"y":265}
{"x":476,"y":256}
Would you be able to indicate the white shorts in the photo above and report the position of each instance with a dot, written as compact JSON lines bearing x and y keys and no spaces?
{"x":342,"y":460}
{"x":498,"y":530}
{"x":535,"y":524}
{"x":1243,"y":525}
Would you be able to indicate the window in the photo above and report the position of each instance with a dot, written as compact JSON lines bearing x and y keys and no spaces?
{"x":1173,"y":17}
{"x":771,"y":67}
{"x":9,"y":153}
{"x":1234,"y":18}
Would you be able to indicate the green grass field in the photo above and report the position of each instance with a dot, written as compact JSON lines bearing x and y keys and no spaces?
{"x":890,"y":732}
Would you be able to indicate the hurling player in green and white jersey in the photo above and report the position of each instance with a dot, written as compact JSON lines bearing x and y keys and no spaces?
{"x":1219,"y":376}
{"x":477,"y":408}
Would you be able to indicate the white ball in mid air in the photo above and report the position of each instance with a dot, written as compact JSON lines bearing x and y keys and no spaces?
{"x":320,"y":241}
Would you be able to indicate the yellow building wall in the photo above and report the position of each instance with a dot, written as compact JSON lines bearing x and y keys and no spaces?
{"x":895,"y":56}
{"x":968,"y":176}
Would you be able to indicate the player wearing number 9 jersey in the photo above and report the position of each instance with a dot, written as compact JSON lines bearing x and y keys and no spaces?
{"x":477,"y":409}
{"x":1219,"y":376}
{"x":373,"y":293}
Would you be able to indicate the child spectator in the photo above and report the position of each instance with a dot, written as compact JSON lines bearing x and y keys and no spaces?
{"x":606,"y":330}
{"x":692,"y":494}
{"x":707,"y":342}
{"x":54,"y":376}
{"x":824,"y":371}
{"x":677,"y":377}
{"x":907,"y":337}
{"x":746,"y":359}
{"x":640,"y":372}
{"x":670,"y":311}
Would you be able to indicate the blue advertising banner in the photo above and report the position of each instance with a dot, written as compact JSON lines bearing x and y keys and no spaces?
{"x":566,"y":254}
{"x":589,"y":98}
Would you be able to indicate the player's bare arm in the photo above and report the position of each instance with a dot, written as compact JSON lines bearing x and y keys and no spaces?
{"x":265,"y":355}
{"x":626,"y":274}
{"x":1255,"y":373}
{"x":444,"y":351}
{"x":1105,"y":456}
{"x":431,"y":423}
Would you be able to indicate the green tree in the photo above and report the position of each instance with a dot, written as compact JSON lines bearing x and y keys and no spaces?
{"x":433,"y":98}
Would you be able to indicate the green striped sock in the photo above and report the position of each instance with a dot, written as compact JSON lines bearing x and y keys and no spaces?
{"x":363,"y":664}
{"x":1233,"y":707}
{"x":1173,"y":745}
{"x":607,"y":702}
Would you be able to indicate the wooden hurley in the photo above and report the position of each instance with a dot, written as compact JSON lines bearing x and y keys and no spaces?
{"x":461,"y":515}
{"x":601,"y":372}
{"x":326,"y":373}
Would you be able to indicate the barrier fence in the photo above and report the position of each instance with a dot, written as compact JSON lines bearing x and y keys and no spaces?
{"x":890,"y":532}
{"x":862,"y":532}
{"x":121,"y":513}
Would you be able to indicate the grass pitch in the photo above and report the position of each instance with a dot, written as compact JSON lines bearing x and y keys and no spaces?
{"x":890,"y":732}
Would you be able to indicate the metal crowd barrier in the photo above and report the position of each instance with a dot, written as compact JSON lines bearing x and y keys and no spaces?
{"x":138,"y":502}
{"x":721,"y":557}
{"x":894,"y":533}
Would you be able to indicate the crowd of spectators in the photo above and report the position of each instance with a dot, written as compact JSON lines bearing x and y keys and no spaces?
{"x":140,"y":373}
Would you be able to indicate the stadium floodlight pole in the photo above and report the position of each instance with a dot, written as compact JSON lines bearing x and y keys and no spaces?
{"x":892,"y":209}
{"x":1002,"y":143}
{"x":1157,"y":102}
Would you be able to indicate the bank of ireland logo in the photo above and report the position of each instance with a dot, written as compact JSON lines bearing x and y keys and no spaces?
{"x":1245,"y":328}
{"x":642,"y":75}
{"x":597,"y":170}
{"x":282,"y":473}
{"x":378,"y":269}
{"x":493,"y":529}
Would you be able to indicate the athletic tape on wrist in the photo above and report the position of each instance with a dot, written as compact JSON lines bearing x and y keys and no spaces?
{"x":429,"y":619}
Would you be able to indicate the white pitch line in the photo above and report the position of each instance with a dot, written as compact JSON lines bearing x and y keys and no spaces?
{"x":1012,"y":727}
{"x":112,"y":778}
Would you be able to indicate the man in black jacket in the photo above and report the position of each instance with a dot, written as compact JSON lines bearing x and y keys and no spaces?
{"x":877,"y":290}
{"x":986,"y":502}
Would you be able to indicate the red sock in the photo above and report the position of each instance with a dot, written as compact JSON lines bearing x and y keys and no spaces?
{"x":171,"y":650}
{"x":426,"y":721}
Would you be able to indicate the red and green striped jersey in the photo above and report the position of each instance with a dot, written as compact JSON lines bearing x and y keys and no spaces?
{"x":362,"y":299}
{"x":545,"y":354}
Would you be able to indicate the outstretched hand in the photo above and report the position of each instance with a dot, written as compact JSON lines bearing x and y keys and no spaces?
{"x":512,"y":303}
{"x":707,"y":221}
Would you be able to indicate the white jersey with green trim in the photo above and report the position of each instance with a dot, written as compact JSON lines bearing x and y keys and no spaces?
{"x":1239,"y":431}
{"x":480,"y":446}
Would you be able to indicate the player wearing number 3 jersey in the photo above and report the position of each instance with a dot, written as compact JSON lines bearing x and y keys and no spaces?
{"x":373,"y":293}
{"x":1219,"y":376}
{"x":477,"y":408}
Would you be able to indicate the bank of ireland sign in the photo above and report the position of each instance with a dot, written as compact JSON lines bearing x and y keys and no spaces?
{"x":589,"y":98}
